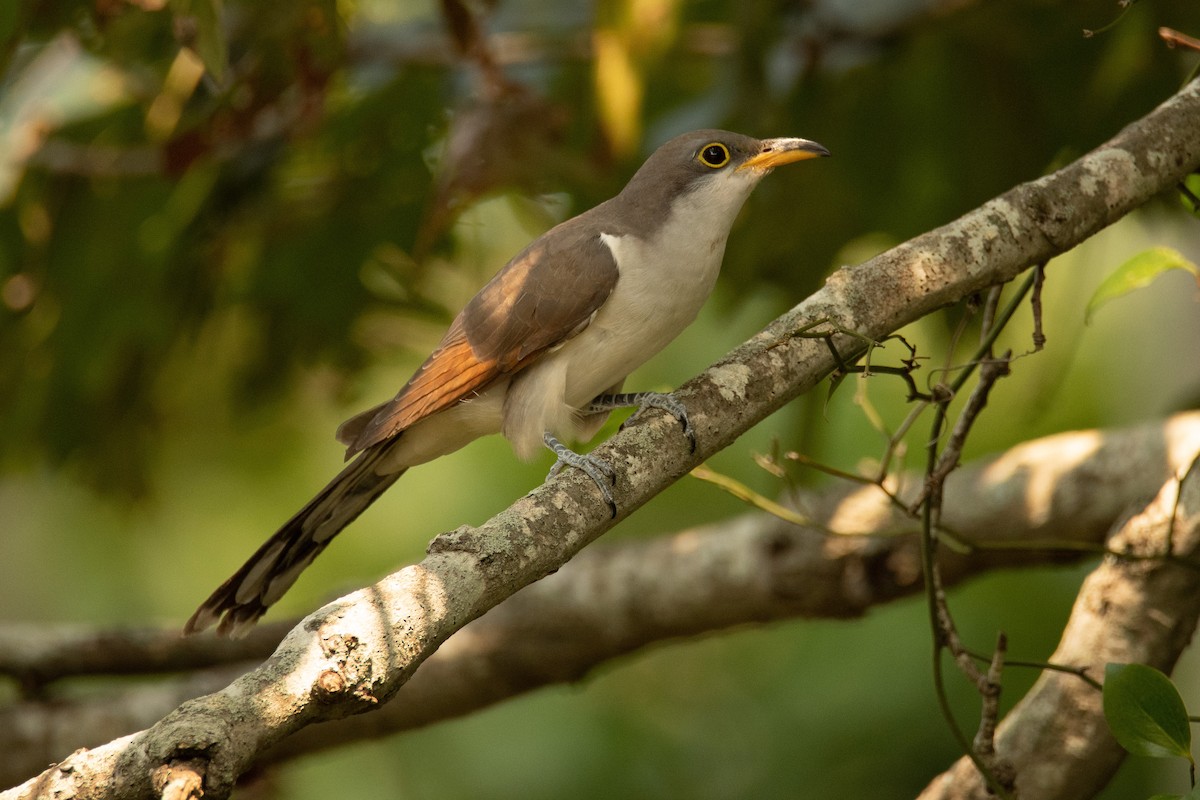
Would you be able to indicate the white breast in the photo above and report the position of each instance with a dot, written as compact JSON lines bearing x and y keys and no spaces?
{"x":659,"y":293}
{"x":664,"y":281}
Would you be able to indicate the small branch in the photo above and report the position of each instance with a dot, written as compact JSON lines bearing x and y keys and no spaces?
{"x":37,"y":654}
{"x":1039,"y":334}
{"x":987,"y":323}
{"x":990,"y":333}
{"x":990,"y":371}
{"x":997,"y":773}
{"x":1078,"y":672}
{"x":747,"y":495}
{"x":613,"y":600}
{"x":988,"y":686}
{"x":1146,"y":612}
{"x":376,"y":638}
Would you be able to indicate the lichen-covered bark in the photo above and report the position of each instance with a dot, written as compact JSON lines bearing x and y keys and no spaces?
{"x":392,"y":627}
{"x":1056,"y":738}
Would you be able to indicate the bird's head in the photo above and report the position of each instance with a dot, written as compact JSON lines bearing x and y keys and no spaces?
{"x":711,"y":170}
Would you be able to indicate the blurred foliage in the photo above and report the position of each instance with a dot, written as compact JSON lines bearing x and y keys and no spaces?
{"x":1137,"y":273}
{"x":225,"y":224}
{"x":172,"y":167}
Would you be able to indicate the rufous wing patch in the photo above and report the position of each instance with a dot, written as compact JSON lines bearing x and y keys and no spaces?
{"x":453,"y":371}
{"x":544,"y":296}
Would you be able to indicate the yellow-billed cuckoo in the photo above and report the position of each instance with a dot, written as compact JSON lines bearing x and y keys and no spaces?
{"x":542,"y":352}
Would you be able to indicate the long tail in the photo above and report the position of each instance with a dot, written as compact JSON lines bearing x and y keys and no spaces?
{"x":240,"y":601}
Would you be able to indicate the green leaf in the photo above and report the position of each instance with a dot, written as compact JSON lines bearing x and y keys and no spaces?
{"x":1145,"y":713}
{"x":1137,"y":272}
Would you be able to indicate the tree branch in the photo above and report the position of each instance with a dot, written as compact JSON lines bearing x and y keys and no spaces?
{"x":613,"y":600}
{"x":1144,"y":612}
{"x":356,"y":653}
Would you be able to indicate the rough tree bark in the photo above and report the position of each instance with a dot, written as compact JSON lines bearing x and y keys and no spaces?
{"x":614,"y":599}
{"x":356,"y":653}
{"x":1144,"y":612}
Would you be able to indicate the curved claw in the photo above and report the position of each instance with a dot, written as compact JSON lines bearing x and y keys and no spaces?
{"x":643,"y":400}
{"x":670,"y":404}
{"x":600,"y":471}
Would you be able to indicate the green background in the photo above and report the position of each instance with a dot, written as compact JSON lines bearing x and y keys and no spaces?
{"x":191,"y":303}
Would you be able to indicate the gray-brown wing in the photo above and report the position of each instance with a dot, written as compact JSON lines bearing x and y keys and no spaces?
{"x":544,"y":296}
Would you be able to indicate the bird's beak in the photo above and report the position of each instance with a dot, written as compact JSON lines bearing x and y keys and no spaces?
{"x":777,"y":152}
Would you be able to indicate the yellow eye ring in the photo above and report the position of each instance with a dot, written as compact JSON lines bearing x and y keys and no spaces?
{"x":714,"y":155}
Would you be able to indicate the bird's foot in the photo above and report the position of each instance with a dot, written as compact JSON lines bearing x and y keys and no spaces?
{"x":601,"y":472}
{"x":643,"y":400}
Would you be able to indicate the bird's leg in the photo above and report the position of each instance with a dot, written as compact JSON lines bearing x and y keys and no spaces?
{"x":644,"y":400}
{"x":601,"y":473}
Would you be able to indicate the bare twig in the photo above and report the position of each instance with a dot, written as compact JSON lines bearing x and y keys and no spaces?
{"x":990,"y":372}
{"x":988,"y":686}
{"x":1035,"y":302}
{"x":1056,"y":737}
{"x":612,"y":600}
{"x":375,"y":639}
{"x":997,"y":773}
{"x":38,"y":654}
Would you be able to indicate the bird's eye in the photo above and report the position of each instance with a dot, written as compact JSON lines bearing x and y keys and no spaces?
{"x":715,"y":155}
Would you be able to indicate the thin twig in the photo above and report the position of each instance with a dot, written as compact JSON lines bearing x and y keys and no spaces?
{"x":998,"y":776}
{"x":1035,"y":303}
{"x":991,"y":371}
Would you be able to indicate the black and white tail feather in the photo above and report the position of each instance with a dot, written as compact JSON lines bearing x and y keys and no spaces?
{"x":238,"y":603}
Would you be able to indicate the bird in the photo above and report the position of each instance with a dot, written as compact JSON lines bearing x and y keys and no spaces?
{"x":541,"y":353}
